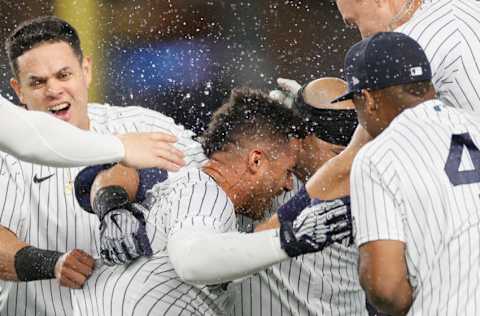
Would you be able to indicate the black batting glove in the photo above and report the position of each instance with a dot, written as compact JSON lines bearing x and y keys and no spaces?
{"x":317,"y":227}
{"x":123,"y":235}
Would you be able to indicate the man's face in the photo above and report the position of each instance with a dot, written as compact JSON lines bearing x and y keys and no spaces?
{"x":275,"y":177}
{"x":371,"y":120}
{"x":313,"y":154}
{"x":368,"y":16}
{"x":52,"y":79}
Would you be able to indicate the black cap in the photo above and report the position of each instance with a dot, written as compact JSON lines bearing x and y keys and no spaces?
{"x":383,"y":60}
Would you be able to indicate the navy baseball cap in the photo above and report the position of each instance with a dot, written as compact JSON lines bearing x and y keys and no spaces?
{"x":383,"y":60}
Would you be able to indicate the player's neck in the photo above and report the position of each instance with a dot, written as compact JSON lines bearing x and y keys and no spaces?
{"x":404,"y":13}
{"x":227,"y":178}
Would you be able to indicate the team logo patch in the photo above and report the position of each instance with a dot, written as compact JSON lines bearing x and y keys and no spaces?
{"x":416,"y":71}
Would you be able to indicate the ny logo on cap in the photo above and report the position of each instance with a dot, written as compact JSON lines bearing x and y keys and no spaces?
{"x":416,"y":71}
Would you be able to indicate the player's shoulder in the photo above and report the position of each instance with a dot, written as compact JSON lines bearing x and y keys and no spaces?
{"x":137,"y":118}
{"x":428,"y":19}
{"x":425,"y":119}
{"x":187,"y":178}
{"x":380,"y":150}
{"x":432,"y":114}
{"x":191,"y":175}
{"x":105,"y":112}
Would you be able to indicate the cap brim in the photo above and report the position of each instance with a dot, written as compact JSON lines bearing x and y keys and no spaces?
{"x":345,"y":97}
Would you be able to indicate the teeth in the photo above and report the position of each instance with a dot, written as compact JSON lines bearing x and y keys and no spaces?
{"x":59,"y":107}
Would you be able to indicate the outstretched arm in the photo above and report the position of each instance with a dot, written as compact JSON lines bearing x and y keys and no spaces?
{"x":203,"y":257}
{"x":40,"y":138}
{"x":331,"y":181}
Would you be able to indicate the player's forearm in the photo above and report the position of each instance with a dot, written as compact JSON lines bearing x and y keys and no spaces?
{"x":394,"y":303}
{"x":39,"y":138}
{"x":118,"y":175}
{"x":209,"y":258}
{"x":10,"y":246}
{"x":383,"y":275}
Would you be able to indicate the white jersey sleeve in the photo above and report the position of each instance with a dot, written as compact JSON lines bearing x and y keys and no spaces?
{"x":40,"y":138}
{"x":374,"y":204}
{"x":236,"y":255}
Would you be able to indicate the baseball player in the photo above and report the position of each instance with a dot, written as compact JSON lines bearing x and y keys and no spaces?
{"x":415,"y":187}
{"x":446,"y":30}
{"x":333,"y":282}
{"x":37,"y":132}
{"x":37,"y":202}
{"x":326,"y":282}
{"x":192,"y":222}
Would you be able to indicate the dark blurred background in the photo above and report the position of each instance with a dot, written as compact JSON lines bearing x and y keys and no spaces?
{"x":182,"y":57}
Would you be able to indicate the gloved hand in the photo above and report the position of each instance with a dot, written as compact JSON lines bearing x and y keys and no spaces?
{"x":317,"y":227}
{"x":123,"y":235}
{"x":287,"y":92}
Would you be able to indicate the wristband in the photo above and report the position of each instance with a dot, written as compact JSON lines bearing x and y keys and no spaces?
{"x":109,"y":198}
{"x":36,"y":264}
{"x":83,"y":184}
{"x":290,"y":210}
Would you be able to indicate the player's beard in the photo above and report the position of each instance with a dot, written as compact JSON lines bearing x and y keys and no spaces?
{"x":258,"y":207}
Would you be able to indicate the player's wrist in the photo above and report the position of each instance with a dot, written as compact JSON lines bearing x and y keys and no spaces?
{"x":289,"y":211}
{"x":33,"y":264}
{"x":83,"y":184}
{"x":109,"y":198}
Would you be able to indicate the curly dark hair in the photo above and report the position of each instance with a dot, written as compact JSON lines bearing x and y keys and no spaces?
{"x":249,"y":114}
{"x":37,"y":31}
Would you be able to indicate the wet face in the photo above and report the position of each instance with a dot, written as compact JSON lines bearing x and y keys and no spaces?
{"x":274,"y":177}
{"x":314,"y":152}
{"x":368,"y":16}
{"x":52,"y":79}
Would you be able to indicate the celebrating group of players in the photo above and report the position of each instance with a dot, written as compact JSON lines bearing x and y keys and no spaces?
{"x":335,"y":198}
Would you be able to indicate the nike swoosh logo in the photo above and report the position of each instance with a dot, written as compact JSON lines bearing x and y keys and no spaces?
{"x":113,"y":217}
{"x":40,"y":180}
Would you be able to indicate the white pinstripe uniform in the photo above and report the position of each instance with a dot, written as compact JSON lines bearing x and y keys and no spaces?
{"x":447,"y":30}
{"x":43,"y":138}
{"x":150,"y":286}
{"x":323,"y":283}
{"x":418,"y":184}
{"x":38,"y":204}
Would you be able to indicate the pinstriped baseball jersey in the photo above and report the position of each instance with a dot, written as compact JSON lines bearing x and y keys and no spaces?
{"x":150,"y":286}
{"x":419,"y":182}
{"x":38,"y":204}
{"x":324,"y":283}
{"x":447,"y":30}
